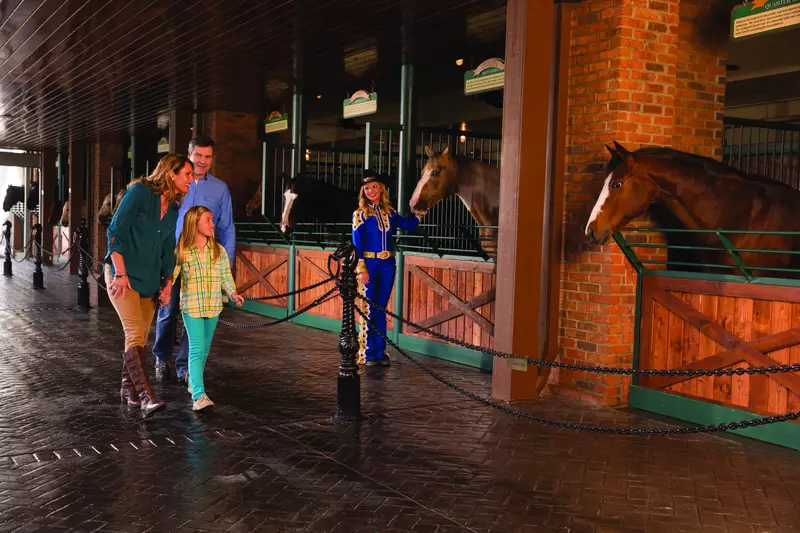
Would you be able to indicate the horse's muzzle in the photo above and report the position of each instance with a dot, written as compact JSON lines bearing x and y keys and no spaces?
{"x":595,"y":238}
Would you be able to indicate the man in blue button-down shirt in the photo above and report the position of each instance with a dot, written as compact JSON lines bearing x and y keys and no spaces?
{"x":209,"y":191}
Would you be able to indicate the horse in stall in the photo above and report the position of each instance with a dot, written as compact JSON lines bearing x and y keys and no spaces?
{"x":16,"y":194}
{"x":106,"y":213}
{"x":700,"y":193}
{"x":312,"y":200}
{"x":474,"y":182}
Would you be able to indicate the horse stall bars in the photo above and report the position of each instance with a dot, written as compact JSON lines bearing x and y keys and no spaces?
{"x":717,"y":316}
{"x":771,"y":149}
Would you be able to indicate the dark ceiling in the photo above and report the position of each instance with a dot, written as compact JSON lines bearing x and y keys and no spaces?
{"x":73,"y":69}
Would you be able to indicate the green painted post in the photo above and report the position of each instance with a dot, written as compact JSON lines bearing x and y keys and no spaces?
{"x":368,"y":146}
{"x":298,"y":160}
{"x":264,"y":164}
{"x":403,"y":169}
{"x":133,"y":157}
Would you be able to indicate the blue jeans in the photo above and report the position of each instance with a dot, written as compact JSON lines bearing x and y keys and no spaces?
{"x":201,"y":331}
{"x":165,"y":332}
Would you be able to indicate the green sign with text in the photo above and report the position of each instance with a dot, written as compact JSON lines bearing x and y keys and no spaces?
{"x":764,"y":16}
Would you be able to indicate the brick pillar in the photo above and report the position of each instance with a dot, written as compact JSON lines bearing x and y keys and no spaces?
{"x":237,"y":155}
{"x":638,"y":75}
{"x":107,"y":151}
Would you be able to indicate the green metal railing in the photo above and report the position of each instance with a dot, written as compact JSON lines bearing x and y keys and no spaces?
{"x":739,"y":271}
{"x":770,"y":149}
{"x":329,"y":235}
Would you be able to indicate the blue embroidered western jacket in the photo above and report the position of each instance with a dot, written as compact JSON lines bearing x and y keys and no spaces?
{"x":373,"y":231}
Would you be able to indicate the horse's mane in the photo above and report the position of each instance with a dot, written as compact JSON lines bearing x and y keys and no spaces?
{"x":709,"y":164}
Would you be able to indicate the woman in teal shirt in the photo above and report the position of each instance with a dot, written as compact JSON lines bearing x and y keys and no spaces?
{"x":141,"y":253}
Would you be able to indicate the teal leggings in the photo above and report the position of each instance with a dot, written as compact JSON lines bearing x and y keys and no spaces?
{"x":200,"y":331}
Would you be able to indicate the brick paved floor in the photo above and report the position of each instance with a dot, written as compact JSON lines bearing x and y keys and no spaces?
{"x":269,"y":459}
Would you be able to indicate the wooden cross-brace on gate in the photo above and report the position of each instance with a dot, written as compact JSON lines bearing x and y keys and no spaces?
{"x":260,"y":277}
{"x":736,"y":349}
{"x":459,"y":306}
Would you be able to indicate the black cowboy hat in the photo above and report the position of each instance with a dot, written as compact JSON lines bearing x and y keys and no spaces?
{"x":371,"y":175}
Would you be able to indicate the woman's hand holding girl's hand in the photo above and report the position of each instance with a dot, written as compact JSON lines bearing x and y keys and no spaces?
{"x":120,"y":287}
{"x":165,"y":294}
{"x":238,"y":299}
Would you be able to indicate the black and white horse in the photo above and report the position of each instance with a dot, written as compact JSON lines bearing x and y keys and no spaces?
{"x":311,"y":200}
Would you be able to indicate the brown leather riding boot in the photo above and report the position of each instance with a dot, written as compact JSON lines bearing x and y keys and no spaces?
{"x":133,"y":362}
{"x":127,"y":393}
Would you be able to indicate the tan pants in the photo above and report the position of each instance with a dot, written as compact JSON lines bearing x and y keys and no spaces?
{"x":135,"y":313}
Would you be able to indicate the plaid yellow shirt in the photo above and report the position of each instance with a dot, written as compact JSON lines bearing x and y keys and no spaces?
{"x":202,"y":281}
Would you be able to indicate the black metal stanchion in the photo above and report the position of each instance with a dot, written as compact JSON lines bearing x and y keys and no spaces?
{"x":348,"y":392}
{"x":7,"y":235}
{"x":38,"y":275}
{"x":83,"y":267}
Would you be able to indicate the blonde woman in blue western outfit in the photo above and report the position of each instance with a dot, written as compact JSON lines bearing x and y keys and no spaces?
{"x":205,"y":270}
{"x":374,"y":225}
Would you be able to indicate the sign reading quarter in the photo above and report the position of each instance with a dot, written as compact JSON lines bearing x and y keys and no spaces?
{"x":488,"y":76}
{"x":764,"y":16}
{"x":361,"y":103}
{"x":276,"y":122}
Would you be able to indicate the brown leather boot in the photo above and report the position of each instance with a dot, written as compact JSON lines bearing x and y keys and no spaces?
{"x":133,"y":362}
{"x":127,"y":393}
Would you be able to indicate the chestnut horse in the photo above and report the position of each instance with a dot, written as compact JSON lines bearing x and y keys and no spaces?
{"x":701,"y":193}
{"x":475,"y":183}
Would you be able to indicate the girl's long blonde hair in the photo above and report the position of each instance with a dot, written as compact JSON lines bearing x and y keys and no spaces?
{"x":160,"y":181}
{"x":383,"y":203}
{"x":190,"y":220}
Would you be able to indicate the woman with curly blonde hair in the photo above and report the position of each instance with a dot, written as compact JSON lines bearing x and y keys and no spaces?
{"x":374,"y":224}
{"x":140,"y":259}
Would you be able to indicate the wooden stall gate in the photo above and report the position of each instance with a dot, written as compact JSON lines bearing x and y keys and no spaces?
{"x":689,"y":320}
{"x":452,"y":297}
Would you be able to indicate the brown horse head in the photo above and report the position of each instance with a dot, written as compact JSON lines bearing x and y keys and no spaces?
{"x":254,"y":203}
{"x":626,"y":194}
{"x":438,"y":180}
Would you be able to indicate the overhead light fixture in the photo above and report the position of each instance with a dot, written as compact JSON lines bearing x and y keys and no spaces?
{"x":463,"y":138}
{"x":319,"y":97}
{"x":459,"y":62}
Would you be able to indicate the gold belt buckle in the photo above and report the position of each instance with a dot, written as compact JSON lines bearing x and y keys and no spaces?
{"x":384,"y":255}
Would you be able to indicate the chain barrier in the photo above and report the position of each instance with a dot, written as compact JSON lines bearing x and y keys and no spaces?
{"x":319,"y":301}
{"x":773,"y":369}
{"x":26,"y":249}
{"x":728,"y":426}
{"x":292,"y":293}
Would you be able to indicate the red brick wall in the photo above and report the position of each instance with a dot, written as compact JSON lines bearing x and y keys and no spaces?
{"x":237,"y":158}
{"x":637,"y":76}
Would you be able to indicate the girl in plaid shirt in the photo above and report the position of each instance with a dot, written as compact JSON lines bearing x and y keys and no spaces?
{"x":205,"y":270}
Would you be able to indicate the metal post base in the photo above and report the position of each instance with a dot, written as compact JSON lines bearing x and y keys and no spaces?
{"x":7,"y":269}
{"x":348,"y":395}
{"x":38,"y":280}
{"x":83,"y":296}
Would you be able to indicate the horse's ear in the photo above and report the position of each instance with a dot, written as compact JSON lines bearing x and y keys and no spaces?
{"x":428,"y":151}
{"x":615,"y":157}
{"x":621,"y":150}
{"x":446,"y":152}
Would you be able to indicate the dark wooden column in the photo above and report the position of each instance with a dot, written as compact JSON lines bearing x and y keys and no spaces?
{"x":77,"y":162}
{"x":530,"y":195}
{"x":180,"y":131}
{"x":48,"y":177}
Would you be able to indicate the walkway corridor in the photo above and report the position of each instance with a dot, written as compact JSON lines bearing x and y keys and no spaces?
{"x":269,"y":459}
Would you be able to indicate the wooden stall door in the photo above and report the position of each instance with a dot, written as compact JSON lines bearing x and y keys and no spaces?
{"x":453,"y":298}
{"x":708,"y":325}
{"x":262,"y":271}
